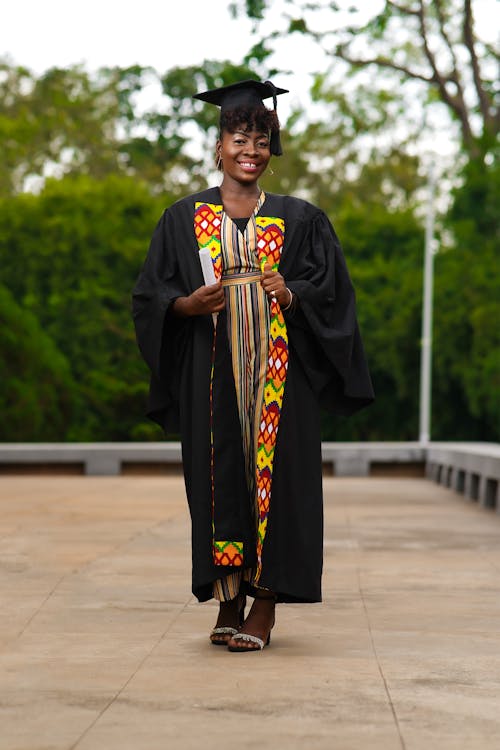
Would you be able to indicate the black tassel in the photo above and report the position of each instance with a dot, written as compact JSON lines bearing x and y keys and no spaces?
{"x":275,"y":140}
{"x":275,"y":144}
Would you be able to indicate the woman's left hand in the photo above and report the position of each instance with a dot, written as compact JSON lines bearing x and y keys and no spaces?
{"x":274,"y":286}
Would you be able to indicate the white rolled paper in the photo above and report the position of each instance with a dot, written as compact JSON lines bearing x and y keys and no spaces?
{"x":207,"y":267}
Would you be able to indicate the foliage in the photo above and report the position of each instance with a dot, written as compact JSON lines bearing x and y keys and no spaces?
{"x":38,"y":395}
{"x":69,"y":255}
{"x":415,"y":47}
{"x":69,"y":121}
{"x":80,"y":244}
{"x":384,"y":251}
{"x":62,"y":121}
{"x":467,"y":341}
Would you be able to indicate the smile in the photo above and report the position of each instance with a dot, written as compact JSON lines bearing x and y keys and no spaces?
{"x":248,"y":164}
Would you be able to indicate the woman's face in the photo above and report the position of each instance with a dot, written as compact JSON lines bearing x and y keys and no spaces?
{"x":245,"y":154}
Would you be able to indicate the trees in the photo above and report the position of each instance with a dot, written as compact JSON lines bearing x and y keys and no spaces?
{"x":60,"y":122}
{"x":383,"y":251}
{"x":38,"y":397}
{"x":418,"y":66}
{"x":105,"y":170}
{"x":69,"y":254}
{"x":467,"y":335}
{"x":429,"y":48}
{"x":69,"y":121}
{"x":69,"y":257}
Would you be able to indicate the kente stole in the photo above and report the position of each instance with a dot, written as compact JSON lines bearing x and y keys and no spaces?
{"x":270,"y":237}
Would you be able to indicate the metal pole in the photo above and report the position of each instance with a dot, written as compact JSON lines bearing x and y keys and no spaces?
{"x":426,"y":356}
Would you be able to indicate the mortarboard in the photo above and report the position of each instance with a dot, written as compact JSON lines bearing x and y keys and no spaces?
{"x":246,"y":94}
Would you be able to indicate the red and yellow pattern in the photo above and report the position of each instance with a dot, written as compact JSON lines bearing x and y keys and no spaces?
{"x":207,"y":222}
{"x":207,"y":228}
{"x":228,"y":553}
{"x":269,"y":244}
{"x":270,"y":236}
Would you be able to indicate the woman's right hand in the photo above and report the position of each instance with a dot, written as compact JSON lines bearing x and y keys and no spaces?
{"x":203,"y":301}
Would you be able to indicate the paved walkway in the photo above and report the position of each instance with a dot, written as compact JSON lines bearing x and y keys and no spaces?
{"x":103,"y":648}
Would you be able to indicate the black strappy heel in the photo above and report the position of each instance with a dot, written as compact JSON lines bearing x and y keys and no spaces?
{"x":222,"y":635}
{"x":248,"y":637}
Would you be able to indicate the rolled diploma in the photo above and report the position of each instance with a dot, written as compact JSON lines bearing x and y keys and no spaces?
{"x":207,"y":268}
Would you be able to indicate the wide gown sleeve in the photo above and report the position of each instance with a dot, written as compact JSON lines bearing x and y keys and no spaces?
{"x":159,"y":333}
{"x":324,"y":330}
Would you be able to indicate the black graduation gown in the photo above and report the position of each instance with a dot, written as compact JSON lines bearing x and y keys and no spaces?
{"x":327,"y":367}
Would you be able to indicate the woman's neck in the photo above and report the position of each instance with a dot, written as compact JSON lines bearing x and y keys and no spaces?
{"x":236,"y":190}
{"x":239,"y":200}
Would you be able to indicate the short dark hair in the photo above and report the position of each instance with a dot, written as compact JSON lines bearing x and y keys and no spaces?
{"x":256,"y":118}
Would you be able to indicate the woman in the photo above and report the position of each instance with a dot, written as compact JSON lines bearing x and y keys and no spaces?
{"x":241,"y":366}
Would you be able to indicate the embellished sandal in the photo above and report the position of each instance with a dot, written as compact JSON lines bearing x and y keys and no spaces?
{"x":244,"y":638}
{"x":222,"y":635}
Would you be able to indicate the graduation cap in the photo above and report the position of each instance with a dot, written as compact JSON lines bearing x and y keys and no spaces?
{"x":246,"y":95}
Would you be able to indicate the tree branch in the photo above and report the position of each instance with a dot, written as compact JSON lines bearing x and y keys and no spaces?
{"x":382,"y":62}
{"x":490,"y":49}
{"x":455,"y":76}
{"x":456,"y":103}
{"x":468,"y":35}
{"x":442,"y":30}
{"x":403,"y":9}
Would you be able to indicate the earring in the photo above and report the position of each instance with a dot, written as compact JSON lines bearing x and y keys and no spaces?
{"x":271,"y":171}
{"x":218,"y":162}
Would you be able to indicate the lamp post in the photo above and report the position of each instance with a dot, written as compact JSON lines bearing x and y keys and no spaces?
{"x":426,"y":340}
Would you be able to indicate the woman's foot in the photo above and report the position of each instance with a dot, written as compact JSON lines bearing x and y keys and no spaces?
{"x":231,"y":616}
{"x":255,"y":632}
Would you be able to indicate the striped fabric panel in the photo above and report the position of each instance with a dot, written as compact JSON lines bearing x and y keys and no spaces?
{"x":248,"y":331}
{"x":258,"y":342}
{"x":227,"y":588}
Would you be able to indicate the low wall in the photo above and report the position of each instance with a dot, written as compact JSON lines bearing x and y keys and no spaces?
{"x":95,"y":459}
{"x":367,"y":459}
{"x":341,"y":459}
{"x":473,"y":469}
{"x":469,"y":468}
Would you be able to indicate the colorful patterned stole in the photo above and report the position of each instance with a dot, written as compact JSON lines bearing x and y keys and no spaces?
{"x":270,"y":237}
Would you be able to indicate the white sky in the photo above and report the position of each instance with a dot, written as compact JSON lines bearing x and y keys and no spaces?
{"x":162,"y":33}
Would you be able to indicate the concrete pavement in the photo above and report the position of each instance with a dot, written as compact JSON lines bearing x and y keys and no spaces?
{"x":102,"y":647}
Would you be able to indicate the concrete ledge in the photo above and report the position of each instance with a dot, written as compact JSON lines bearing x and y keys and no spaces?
{"x":473,"y":469}
{"x":359,"y":459}
{"x":96,"y":459}
{"x":100,"y":459}
{"x":469,"y":468}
